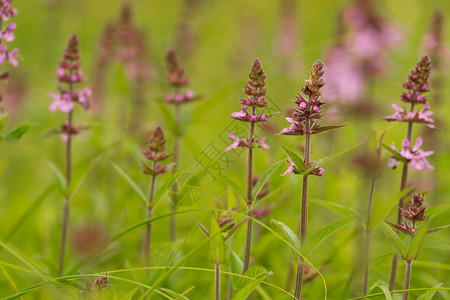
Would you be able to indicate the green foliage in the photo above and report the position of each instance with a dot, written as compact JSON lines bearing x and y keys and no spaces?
{"x":246,"y":286}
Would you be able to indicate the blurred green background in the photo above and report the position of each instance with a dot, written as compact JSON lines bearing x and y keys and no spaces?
{"x":226,"y":37}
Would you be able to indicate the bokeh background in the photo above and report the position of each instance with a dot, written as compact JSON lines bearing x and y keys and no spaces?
{"x":216,"y":42}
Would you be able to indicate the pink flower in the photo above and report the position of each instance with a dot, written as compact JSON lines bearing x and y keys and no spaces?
{"x":179,"y":98}
{"x":421,"y":116}
{"x":237,"y":142}
{"x":63,"y":102}
{"x":241,"y":114}
{"x":6,"y":12}
{"x":8,"y":33}
{"x":291,"y":168}
{"x":189,"y":95}
{"x":413,"y":155}
{"x":83,"y":96}
{"x":170,"y":97}
{"x":262,"y":144}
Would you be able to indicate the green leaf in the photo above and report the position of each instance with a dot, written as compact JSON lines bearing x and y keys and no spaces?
{"x":395,"y":240}
{"x":380,"y":287}
{"x":417,"y":241}
{"x":264,"y":177}
{"x":436,"y":210}
{"x":216,"y":242}
{"x":236,"y":266}
{"x":173,"y":294}
{"x":131,"y":183}
{"x":147,"y":170}
{"x":50,"y":133}
{"x":60,"y":178}
{"x":247,"y":285}
{"x":428,"y":295}
{"x":3,"y":120}
{"x":396,"y":227}
{"x":324,"y":233}
{"x":372,"y":142}
{"x":200,"y":225}
{"x":15,"y":134}
{"x":290,"y":235}
{"x":297,"y":161}
{"x":326,"y":128}
{"x":339,"y":208}
{"x":395,"y":153}
{"x":433,"y":230}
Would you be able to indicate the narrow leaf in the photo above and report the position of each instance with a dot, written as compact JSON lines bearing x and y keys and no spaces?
{"x":60,"y":178}
{"x":236,"y":266}
{"x":383,"y":288}
{"x":396,"y":241}
{"x":417,"y":241}
{"x":216,"y":242}
{"x":326,"y":128}
{"x":324,"y":233}
{"x":428,"y":295}
{"x":395,"y":153}
{"x":297,"y":161}
{"x":290,"y":235}
{"x":436,"y":210}
{"x":257,"y":274}
{"x":15,"y":134}
{"x":396,"y":227}
{"x":200,"y":225}
{"x":131,"y":183}
{"x":433,"y":230}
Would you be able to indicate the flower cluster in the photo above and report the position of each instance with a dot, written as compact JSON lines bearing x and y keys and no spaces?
{"x":414,"y":212}
{"x":69,"y":73}
{"x":309,"y":104}
{"x":416,"y":85}
{"x":156,"y":152}
{"x":413,"y":155}
{"x":7,"y":35}
{"x":255,"y":90}
{"x":240,"y":142}
{"x":175,"y":76}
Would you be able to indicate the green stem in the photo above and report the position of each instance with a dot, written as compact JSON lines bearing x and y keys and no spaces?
{"x":148,"y":232}
{"x":248,"y":239}
{"x":304,"y":212}
{"x":66,"y":210}
{"x":176,"y":157}
{"x":403,"y":184}
{"x":367,"y":241}
{"x":217,"y":273}
{"x":407,"y":279}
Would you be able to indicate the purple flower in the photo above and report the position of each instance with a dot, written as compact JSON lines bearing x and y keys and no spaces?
{"x":63,"y":102}
{"x":413,"y":155}
{"x":8,"y":33}
{"x":421,"y":116}
{"x":291,"y":168}
{"x":6,"y":11}
{"x":256,"y":90}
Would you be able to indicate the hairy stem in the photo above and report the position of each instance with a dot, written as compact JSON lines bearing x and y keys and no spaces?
{"x":304,"y":212}
{"x":148,"y":232}
{"x":248,"y":239}
{"x":403,"y":184}
{"x":367,"y":241}
{"x":176,"y":156}
{"x":407,"y":279}
{"x":217,"y":281}
{"x":66,"y":210}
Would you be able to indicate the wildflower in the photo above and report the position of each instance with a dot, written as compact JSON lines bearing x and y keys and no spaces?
{"x":413,"y":155}
{"x":252,"y":143}
{"x":101,"y":283}
{"x":421,"y":116}
{"x":156,"y":152}
{"x":415,"y":211}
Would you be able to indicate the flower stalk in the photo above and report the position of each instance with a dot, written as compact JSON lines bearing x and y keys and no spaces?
{"x":156,"y":153}
{"x":255,"y":90}
{"x":416,"y":85}
{"x":69,"y":74}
